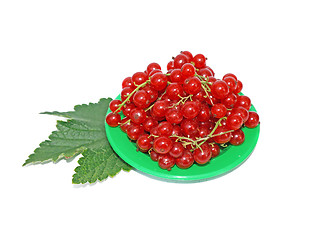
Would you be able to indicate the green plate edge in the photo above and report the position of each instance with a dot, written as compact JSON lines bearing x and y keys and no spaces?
{"x":228,"y":160}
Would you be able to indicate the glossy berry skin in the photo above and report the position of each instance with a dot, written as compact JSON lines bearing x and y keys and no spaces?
{"x":204,"y":113}
{"x":234,"y":121}
{"x":152,"y":93}
{"x":124,"y":124}
{"x":188,"y":70}
{"x":138,"y":115}
{"x":192,"y":85}
{"x":238,"y":137}
{"x":165,"y":128}
{"x":128,"y":108}
{"x":162,"y":145}
{"x":160,"y":107}
{"x":199,"y":61}
{"x":205,"y":73}
{"x":219,"y":89}
{"x":222,"y":135}
{"x":180,"y":60}
{"x":159,"y":81}
{"x":243,"y":101}
{"x":154,"y":156}
{"x":190,"y":109}
{"x":125,"y":93}
{"x":141,"y":99}
{"x":253,"y":120}
{"x":127,"y":82}
{"x":174,"y":116}
{"x":218,"y":110}
{"x":189,"y":127}
{"x":186,"y":160}
{"x":113,"y":119}
{"x":149,"y":123}
{"x":144,"y":143}
{"x":139,"y":78}
{"x":165,"y":161}
{"x":231,"y":82}
{"x":203,"y":155}
{"x":215,"y":150}
{"x":134,"y":131}
{"x":241,"y":112}
{"x":114,"y":104}
{"x":239,"y":87}
{"x":174,"y":91}
{"x":153,"y":66}
{"x":170,"y":65}
{"x":230,"y":75}
{"x":230,"y":100}
{"x":176,"y":150}
{"x":188,"y":55}
{"x":176,"y":76}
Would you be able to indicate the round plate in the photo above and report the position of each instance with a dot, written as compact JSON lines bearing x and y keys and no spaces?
{"x":229,"y":158}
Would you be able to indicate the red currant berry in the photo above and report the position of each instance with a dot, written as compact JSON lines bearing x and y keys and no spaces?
{"x":128,"y":108}
{"x":189,"y":127}
{"x":230,"y":100}
{"x":170,"y":65}
{"x":149,"y":123}
{"x":134,"y":131}
{"x":231,"y":82}
{"x":222,"y":134}
{"x":219,"y":89}
{"x":141,"y":99}
{"x":165,"y":161}
{"x":204,"y":114}
{"x":174,"y":91}
{"x":234,"y":121}
{"x":241,"y":112}
{"x":174,"y":116}
{"x":243,"y":101}
{"x":154,"y":72}
{"x":176,"y":76}
{"x":203,"y":155}
{"x":162,"y":145}
{"x":125,"y":93}
{"x":199,"y":61}
{"x":190,"y":109}
{"x":139,"y":78}
{"x":239,"y":87}
{"x":253,"y":120}
{"x":165,"y":128}
{"x":154,"y":156}
{"x":212,"y":71}
{"x":205,"y":72}
{"x":144,"y":142}
{"x":186,"y":160}
{"x":215,"y":150}
{"x":180,"y":60}
{"x":127,"y":82}
{"x":160,"y":107}
{"x":138,"y":115}
{"x":230,"y":75}
{"x":152,"y":66}
{"x":188,"y":70}
{"x":176,"y":150}
{"x":152,"y":93}
{"x":114,"y":105}
{"x":188,"y":54}
{"x":159,"y":81}
{"x":176,"y":131}
{"x":113,"y":119}
{"x":125,"y":123}
{"x":218,"y":110}
{"x":192,"y":85}
{"x":238,"y":137}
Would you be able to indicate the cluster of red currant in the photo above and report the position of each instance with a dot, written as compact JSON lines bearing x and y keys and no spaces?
{"x":181,"y":117}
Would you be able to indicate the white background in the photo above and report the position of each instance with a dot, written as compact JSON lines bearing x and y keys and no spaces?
{"x":56,"y":54}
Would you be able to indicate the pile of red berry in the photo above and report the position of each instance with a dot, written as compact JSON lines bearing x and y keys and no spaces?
{"x":183,"y":116}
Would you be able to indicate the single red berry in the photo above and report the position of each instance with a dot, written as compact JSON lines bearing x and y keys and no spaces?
{"x":190,"y":109}
{"x":127,"y":82}
{"x":165,"y":161}
{"x":230,"y":100}
{"x":144,"y":142}
{"x":176,"y":76}
{"x":238,"y":137}
{"x":232,"y":83}
{"x":223,"y":134}
{"x":149,"y":123}
{"x":176,"y":150}
{"x":218,"y":110}
{"x":154,"y":156}
{"x":243,"y":101}
{"x":125,"y":123}
{"x":199,"y":61}
{"x":138,"y":115}
{"x":160,"y":107}
{"x":174,"y":116}
{"x":234,"y":121}
{"x":186,"y":160}
{"x":139,"y":78}
{"x":180,"y":60}
{"x":219,"y":89}
{"x":215,"y":150}
{"x":174,"y":91}
{"x":240,"y":111}
{"x":170,"y":65}
{"x":134,"y":131}
{"x":152,"y":66}
{"x":230,"y":75}
{"x":192,"y":85}
{"x":141,"y":99}
{"x":188,"y":70}
{"x":113,"y":119}
{"x":239,"y":87}
{"x":205,"y":72}
{"x":204,"y":114}
{"x":128,"y":108}
{"x":162,"y":145}
{"x":159,"y":81}
{"x":152,"y":93}
{"x":114,"y":105}
{"x":253,"y":120}
{"x":203,"y":154}
{"x":165,"y":128}
{"x":189,"y":127}
{"x":188,"y":55}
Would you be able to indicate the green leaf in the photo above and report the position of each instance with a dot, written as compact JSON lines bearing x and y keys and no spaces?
{"x":98,"y":164}
{"x":82,"y":133}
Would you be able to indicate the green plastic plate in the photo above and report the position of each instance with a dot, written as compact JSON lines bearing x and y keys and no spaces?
{"x":229,"y":158}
